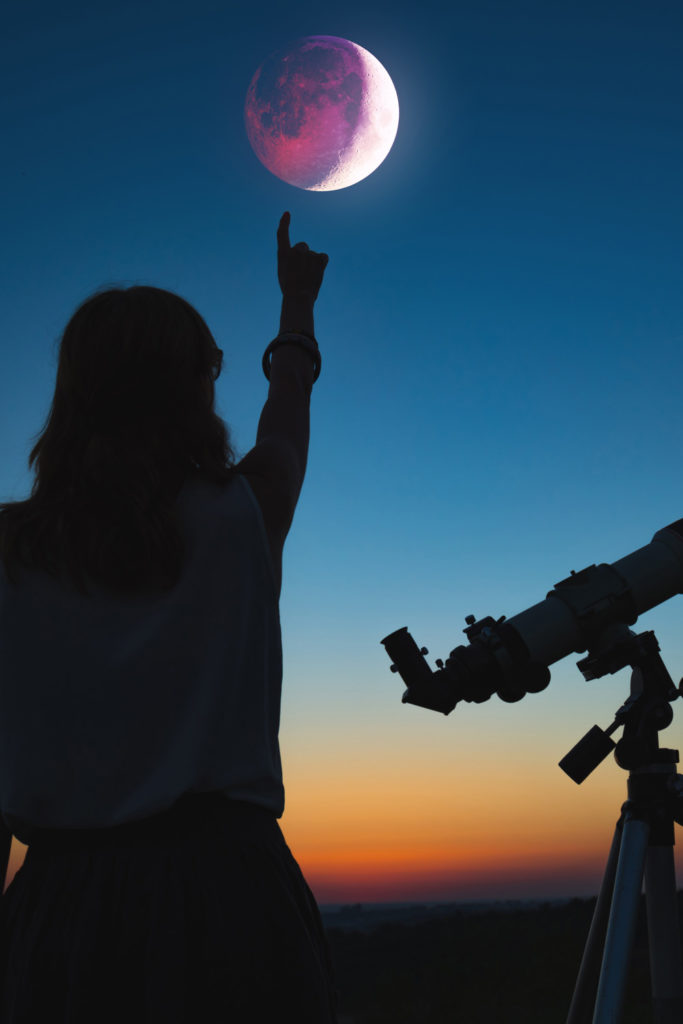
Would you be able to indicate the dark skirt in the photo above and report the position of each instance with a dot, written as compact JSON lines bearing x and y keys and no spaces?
{"x":199,"y":914}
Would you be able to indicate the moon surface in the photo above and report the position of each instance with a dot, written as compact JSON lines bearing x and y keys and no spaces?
{"x":322,"y":113}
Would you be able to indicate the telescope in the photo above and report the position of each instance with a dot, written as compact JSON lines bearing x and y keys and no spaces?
{"x":591,"y":611}
{"x":510,"y":657}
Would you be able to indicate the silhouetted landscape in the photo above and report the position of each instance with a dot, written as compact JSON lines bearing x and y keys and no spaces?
{"x":498,"y":963}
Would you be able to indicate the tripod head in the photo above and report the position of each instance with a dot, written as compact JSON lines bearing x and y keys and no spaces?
{"x":646,"y":712}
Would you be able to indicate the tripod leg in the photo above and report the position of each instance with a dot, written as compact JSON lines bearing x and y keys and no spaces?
{"x":666,"y":971}
{"x":583,"y":1000}
{"x":622,"y":919}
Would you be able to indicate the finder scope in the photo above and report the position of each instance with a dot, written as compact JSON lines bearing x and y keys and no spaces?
{"x":510,"y":657}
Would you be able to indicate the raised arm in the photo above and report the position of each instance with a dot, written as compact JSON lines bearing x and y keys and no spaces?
{"x":275,"y":467}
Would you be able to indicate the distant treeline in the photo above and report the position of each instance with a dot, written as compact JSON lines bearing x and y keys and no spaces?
{"x":492,"y":967}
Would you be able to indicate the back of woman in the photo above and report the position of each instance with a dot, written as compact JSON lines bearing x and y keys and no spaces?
{"x":140,"y":681}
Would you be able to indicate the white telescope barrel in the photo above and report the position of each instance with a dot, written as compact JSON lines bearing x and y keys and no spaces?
{"x":653,"y":574}
{"x":549,"y":629}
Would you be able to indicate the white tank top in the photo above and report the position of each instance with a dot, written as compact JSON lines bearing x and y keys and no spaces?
{"x":111,"y":708}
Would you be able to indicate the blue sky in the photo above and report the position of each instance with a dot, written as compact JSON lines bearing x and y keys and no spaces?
{"x":501,"y":325}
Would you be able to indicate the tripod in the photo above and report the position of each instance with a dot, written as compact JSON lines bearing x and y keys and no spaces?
{"x":642,"y":847}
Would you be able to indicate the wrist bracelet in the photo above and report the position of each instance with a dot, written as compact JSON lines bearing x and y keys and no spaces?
{"x":303,"y":341}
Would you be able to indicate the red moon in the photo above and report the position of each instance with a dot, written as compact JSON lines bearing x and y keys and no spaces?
{"x":321,"y":114}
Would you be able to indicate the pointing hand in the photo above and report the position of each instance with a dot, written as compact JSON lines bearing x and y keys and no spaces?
{"x":299,"y":269}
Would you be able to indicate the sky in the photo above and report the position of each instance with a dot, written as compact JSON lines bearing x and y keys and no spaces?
{"x":501,"y":330}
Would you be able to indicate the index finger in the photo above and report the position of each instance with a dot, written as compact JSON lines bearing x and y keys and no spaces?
{"x":283,"y":232}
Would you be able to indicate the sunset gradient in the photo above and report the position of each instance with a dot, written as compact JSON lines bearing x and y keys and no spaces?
{"x":363,"y":836}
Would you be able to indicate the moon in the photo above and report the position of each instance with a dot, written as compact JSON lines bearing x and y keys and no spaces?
{"x":322,"y":113}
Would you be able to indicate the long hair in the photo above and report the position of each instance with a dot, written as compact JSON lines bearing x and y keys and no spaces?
{"x":131,"y":417}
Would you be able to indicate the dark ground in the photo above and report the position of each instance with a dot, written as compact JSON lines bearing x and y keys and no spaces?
{"x":487,"y":965}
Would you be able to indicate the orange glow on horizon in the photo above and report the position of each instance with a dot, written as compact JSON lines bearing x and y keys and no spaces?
{"x":420,"y":828}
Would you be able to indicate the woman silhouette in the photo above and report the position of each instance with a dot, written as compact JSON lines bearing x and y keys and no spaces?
{"x":140,"y":680}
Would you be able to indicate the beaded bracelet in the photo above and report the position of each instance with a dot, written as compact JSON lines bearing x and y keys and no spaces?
{"x":304,"y":341}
